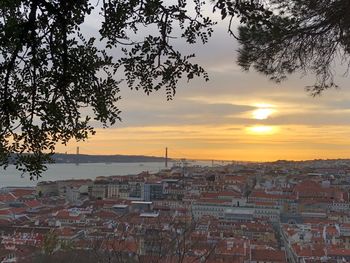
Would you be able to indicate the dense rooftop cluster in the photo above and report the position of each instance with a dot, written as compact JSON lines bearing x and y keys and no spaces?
{"x":242,"y":212}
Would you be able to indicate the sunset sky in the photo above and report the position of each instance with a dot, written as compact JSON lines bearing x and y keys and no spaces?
{"x":235,"y":116}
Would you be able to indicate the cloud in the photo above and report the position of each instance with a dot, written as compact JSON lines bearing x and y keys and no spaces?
{"x":210,"y":119}
{"x":231,"y":142}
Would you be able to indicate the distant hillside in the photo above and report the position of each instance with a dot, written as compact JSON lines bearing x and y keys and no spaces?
{"x":83,"y":158}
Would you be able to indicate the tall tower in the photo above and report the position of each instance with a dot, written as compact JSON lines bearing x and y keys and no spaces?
{"x":77,"y":156}
{"x":166,"y":157}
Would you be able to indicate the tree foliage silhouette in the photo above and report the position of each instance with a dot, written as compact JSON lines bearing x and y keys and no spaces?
{"x":298,"y":36}
{"x":50,"y":71}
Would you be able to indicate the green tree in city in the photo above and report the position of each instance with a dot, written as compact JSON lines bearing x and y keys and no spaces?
{"x":50,"y":243}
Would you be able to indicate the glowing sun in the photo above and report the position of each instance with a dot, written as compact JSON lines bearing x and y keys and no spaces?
{"x":262,"y":112}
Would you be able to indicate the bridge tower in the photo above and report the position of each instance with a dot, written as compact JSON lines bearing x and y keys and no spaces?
{"x":77,"y":156}
{"x":166,"y":157}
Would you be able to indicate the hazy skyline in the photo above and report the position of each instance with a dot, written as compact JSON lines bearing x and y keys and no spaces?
{"x":235,"y":116}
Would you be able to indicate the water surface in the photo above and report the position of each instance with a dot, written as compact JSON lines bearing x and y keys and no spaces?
{"x":12,"y":177}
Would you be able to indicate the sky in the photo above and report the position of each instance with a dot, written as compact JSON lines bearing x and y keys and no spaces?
{"x":236,"y":115}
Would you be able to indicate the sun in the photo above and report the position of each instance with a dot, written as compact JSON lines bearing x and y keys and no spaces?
{"x":262,"y":113}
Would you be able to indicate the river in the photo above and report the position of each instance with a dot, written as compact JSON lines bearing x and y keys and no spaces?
{"x":12,"y":177}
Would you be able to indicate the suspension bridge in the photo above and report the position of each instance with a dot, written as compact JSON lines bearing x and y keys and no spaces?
{"x":169,"y":155}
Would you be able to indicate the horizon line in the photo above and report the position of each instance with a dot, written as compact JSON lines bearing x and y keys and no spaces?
{"x":212,"y":159}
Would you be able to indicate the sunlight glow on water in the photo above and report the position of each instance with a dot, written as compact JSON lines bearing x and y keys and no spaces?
{"x":262,"y":130}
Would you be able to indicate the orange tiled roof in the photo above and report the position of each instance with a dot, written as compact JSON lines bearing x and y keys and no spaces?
{"x":268,"y":255}
{"x":338,"y":252}
{"x":22,"y":192}
{"x":7,"y":197}
{"x":33,"y":203}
